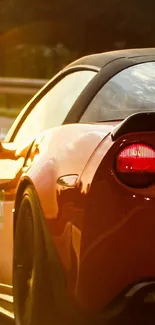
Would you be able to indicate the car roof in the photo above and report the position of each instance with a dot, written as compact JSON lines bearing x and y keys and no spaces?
{"x":101,"y":59}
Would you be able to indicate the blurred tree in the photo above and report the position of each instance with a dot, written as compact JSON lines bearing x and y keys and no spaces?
{"x":35,"y":60}
{"x":33,"y":31}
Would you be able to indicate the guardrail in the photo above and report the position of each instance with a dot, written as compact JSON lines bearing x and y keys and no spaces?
{"x":15,"y":94}
{"x":20,"y":86}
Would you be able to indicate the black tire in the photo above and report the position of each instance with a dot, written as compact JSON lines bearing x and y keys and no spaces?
{"x":38,"y":282}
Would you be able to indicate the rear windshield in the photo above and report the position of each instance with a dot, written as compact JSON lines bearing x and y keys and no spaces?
{"x":131,"y":90}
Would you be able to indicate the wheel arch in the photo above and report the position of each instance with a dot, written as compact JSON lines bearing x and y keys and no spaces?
{"x":21,"y":188}
{"x":59,"y":288}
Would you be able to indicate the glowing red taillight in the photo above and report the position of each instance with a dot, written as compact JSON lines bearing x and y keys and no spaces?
{"x":135,"y":165}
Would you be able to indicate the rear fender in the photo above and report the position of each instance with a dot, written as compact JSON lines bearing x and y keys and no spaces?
{"x":42,"y":186}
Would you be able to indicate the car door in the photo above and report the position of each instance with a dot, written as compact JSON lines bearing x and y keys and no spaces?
{"x":49,"y":111}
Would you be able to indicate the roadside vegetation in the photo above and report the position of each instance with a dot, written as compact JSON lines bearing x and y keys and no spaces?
{"x":38,"y":38}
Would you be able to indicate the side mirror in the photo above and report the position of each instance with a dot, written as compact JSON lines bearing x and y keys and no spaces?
{"x":11,"y":163}
{"x":11,"y":151}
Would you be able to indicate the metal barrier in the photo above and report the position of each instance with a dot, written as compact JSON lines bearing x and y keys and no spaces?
{"x":20,"y":86}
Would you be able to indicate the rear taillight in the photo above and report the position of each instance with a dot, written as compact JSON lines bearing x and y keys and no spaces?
{"x":135,"y":165}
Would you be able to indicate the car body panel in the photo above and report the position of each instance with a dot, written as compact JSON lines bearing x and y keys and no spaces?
{"x":67,"y":150}
{"x":122,"y":235}
{"x":97,"y":218}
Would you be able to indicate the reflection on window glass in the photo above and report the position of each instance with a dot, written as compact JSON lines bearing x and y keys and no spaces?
{"x":130,"y":91}
{"x":53,"y":108}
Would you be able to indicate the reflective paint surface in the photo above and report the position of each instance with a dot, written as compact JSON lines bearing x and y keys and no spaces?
{"x":103,"y":230}
{"x":107,"y":226}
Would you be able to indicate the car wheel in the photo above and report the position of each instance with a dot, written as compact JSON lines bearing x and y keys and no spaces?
{"x":34,"y":294}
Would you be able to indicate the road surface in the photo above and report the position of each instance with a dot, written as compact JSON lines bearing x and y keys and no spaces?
{"x":6,"y":321}
{"x":5,"y":124}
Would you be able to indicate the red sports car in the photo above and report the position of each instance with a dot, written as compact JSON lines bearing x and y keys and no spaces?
{"x":82,"y":169}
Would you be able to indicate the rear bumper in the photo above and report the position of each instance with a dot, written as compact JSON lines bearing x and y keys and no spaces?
{"x":116,"y":259}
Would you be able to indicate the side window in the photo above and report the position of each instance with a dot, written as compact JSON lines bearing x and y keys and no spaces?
{"x":130,"y":91}
{"x":53,"y":108}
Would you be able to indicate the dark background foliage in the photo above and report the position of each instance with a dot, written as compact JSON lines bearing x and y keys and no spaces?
{"x":39,"y":37}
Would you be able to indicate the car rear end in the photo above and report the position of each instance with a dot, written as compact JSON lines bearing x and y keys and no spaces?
{"x":118,"y":239}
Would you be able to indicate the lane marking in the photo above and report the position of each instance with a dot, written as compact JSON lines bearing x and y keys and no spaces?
{"x":6,"y":313}
{"x":5,"y":285}
{"x":7,"y":298}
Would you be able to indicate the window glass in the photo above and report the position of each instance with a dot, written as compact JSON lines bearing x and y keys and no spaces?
{"x":53,"y":108}
{"x":130,"y":91}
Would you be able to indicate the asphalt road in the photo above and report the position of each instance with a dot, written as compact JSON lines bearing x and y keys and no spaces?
{"x":5,"y":124}
{"x":6,"y":321}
